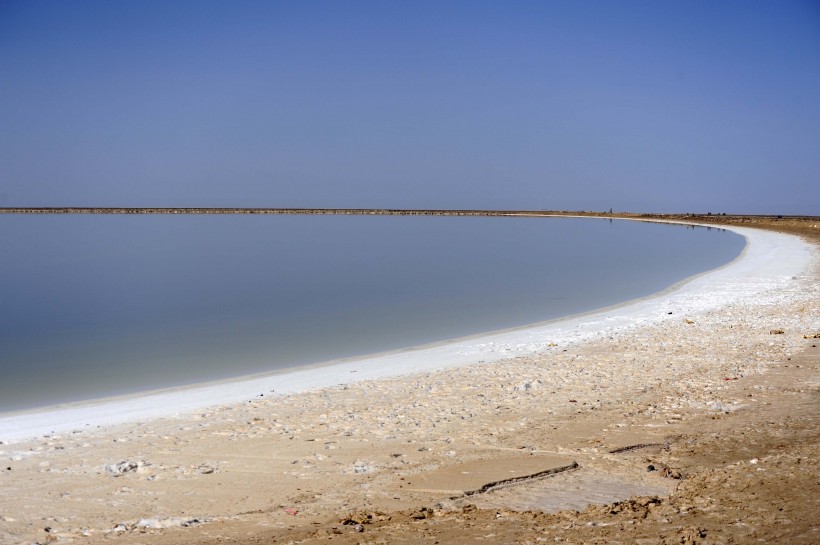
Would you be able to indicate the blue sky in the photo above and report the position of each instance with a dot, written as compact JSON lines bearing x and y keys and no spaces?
{"x":640,"y":106}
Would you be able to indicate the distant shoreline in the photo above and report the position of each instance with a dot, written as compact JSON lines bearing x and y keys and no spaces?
{"x":795,"y":224}
{"x":378,"y":212}
{"x":798,"y":224}
{"x":255,"y":210}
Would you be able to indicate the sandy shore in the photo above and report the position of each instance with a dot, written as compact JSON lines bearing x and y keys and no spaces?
{"x":576,"y":410}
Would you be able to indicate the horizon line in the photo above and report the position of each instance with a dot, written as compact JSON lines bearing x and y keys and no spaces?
{"x":200,"y":210}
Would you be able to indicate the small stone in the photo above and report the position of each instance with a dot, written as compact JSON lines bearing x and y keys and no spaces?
{"x":672,"y":473}
{"x":121,"y":468}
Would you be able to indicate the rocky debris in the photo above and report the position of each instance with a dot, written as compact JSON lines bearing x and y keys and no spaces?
{"x":723,"y":407}
{"x":422,"y":513}
{"x":357,"y":521}
{"x":360,"y":466}
{"x":528,"y":385}
{"x":691,"y":536}
{"x":206,"y":469}
{"x":128,"y":466}
{"x":814,"y":336}
{"x":672,"y":473}
{"x":776,"y":332}
{"x":158,"y":524}
{"x":641,"y":505}
{"x":360,"y":518}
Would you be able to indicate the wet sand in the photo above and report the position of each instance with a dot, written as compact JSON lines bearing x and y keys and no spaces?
{"x":716,"y":399}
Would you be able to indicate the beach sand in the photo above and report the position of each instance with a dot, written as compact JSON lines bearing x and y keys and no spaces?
{"x":549,"y":439}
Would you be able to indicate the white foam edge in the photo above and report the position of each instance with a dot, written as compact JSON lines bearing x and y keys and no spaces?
{"x":768,"y":260}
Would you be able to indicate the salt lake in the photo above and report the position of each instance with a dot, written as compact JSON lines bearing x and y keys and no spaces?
{"x":101,"y":305}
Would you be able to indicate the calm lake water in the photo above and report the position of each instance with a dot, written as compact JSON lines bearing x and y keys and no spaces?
{"x":100,"y":305}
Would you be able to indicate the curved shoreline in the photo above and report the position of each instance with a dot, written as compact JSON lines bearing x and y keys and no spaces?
{"x":768,"y":259}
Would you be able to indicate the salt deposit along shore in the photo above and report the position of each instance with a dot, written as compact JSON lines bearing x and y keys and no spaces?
{"x":289,"y":452}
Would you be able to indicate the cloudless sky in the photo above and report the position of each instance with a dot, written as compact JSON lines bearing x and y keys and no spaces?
{"x":641,"y":106}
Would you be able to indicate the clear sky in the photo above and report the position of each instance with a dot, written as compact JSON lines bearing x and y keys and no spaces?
{"x":641,"y":106}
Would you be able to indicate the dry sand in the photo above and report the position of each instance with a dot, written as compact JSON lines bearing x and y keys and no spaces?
{"x":552,"y":447}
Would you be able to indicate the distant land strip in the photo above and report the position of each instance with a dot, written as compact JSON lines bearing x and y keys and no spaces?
{"x":367,"y":211}
{"x":295,"y":211}
{"x":800,"y":225}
